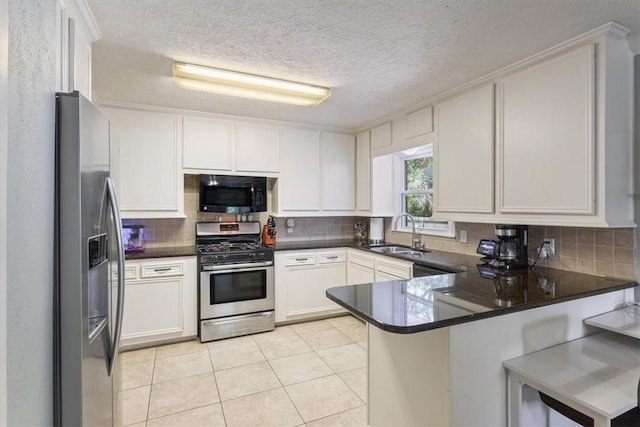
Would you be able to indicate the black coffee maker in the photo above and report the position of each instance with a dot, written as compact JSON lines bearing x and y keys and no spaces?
{"x":509,"y":250}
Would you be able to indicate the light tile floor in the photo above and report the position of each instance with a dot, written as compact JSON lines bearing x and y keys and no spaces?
{"x":308,"y":374}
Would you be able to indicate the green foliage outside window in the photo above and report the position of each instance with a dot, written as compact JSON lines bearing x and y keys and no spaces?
{"x":419,"y":177}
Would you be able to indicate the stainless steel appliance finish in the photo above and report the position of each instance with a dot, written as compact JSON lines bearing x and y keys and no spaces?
{"x":88,"y":245}
{"x":510,"y":250}
{"x":233,"y":194}
{"x":236,"y":280}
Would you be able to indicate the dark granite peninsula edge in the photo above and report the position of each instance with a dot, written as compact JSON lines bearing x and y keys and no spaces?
{"x":425,"y":303}
{"x":161,"y":252}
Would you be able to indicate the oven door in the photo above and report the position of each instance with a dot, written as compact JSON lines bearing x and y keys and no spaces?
{"x":230,"y":290}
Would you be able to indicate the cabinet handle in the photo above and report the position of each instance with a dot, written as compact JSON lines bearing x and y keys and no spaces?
{"x":302,"y":259}
{"x":162,"y":269}
{"x":332,"y":257}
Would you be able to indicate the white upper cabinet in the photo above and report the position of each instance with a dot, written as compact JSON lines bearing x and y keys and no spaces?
{"x":419,"y":122}
{"x":464,"y":152}
{"x":381,"y":136}
{"x":363,"y":172}
{"x":145,"y":150}
{"x":257,"y":148}
{"x":76,"y":30}
{"x":317,"y":176}
{"x":374,"y":180}
{"x":548,"y":145}
{"x":230,"y":147}
{"x":563,"y":140}
{"x":299,"y":184}
{"x":337,"y":160}
{"x":403,"y":132}
{"x":207,"y":144}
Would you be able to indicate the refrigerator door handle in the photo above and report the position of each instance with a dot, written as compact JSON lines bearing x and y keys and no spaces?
{"x":115,"y":210}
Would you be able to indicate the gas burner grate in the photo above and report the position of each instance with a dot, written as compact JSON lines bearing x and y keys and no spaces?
{"x":229,"y":247}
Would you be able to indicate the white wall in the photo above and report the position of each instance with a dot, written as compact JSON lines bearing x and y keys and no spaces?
{"x":30,"y":188}
{"x":636,"y":163}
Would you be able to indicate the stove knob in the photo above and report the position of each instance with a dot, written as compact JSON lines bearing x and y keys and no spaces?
{"x":252,"y":255}
{"x":261,"y":254}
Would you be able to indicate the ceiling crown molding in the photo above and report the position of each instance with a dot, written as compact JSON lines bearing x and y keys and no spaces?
{"x":633,"y":40}
{"x":84,"y":15}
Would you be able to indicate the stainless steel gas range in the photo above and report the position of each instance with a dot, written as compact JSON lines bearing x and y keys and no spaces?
{"x":236,"y":280}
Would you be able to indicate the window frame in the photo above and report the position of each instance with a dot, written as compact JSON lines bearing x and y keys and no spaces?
{"x":400,"y":191}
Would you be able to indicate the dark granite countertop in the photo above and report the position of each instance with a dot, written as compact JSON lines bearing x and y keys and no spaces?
{"x":424,"y":303}
{"x":448,"y":261}
{"x":164,"y":252}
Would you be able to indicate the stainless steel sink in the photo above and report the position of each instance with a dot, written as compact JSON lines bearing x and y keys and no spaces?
{"x":391,"y":249}
{"x":399,"y":250}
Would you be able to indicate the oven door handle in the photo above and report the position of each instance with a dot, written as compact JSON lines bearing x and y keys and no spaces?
{"x":236,"y":268}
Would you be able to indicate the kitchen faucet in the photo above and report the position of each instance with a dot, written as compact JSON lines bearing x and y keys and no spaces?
{"x":415,"y":240}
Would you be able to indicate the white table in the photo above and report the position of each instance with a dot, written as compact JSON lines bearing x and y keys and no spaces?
{"x":624,"y":321}
{"x":596,"y":375}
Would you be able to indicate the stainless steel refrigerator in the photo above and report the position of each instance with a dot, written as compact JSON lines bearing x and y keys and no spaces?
{"x":89,"y":259}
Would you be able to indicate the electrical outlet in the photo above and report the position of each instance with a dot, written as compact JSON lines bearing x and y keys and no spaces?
{"x":549,"y":246}
{"x":463,"y":236}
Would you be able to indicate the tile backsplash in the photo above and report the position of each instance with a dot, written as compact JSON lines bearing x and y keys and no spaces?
{"x":316,"y":228}
{"x":603,"y":252}
{"x":182,"y":231}
{"x":599,"y":251}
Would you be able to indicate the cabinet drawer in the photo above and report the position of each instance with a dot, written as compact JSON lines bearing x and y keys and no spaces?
{"x":130,"y":272}
{"x":333,"y":257}
{"x":162,"y":270}
{"x":362,"y":260}
{"x":301,"y":260}
{"x":398,"y":270}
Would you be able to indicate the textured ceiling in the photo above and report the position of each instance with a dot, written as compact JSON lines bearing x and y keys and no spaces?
{"x":378,"y":56}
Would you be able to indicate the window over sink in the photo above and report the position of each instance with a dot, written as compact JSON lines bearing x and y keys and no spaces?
{"x":414,"y":180}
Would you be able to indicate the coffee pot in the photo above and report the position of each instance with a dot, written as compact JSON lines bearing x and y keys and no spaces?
{"x":509,"y":250}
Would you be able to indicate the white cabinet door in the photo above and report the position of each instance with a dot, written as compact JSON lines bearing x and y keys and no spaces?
{"x":307,"y":286}
{"x":80,"y":59}
{"x":419,"y":122}
{"x":300,"y":175}
{"x":146,"y":154}
{"x":547,"y":149}
{"x":152,"y":307}
{"x":363,"y":172}
{"x":382,"y":188}
{"x":357,"y":274}
{"x":207,"y":144}
{"x":337,"y":160}
{"x":389,"y":267}
{"x":384,"y":277}
{"x":381,"y":136}
{"x":302,"y":278}
{"x":257,"y":148}
{"x":464,"y":153}
{"x":160,"y":300}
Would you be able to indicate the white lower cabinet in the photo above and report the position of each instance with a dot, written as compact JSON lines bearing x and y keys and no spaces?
{"x":361,"y":267}
{"x":302,"y":278}
{"x":366,"y":267}
{"x":392,"y":269}
{"x":160,"y":300}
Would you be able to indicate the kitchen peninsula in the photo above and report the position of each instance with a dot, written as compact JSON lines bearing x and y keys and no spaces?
{"x":436,"y":344}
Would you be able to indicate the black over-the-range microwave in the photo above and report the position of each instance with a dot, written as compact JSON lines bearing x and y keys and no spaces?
{"x":233,"y":194}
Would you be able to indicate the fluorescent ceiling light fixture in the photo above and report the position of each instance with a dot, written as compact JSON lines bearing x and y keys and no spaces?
{"x":233,"y":83}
